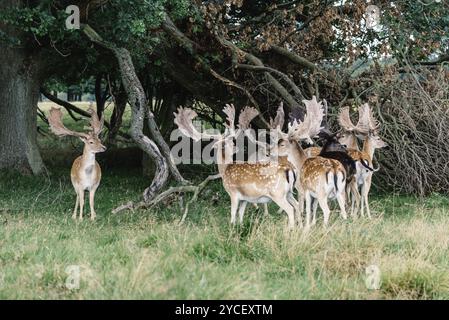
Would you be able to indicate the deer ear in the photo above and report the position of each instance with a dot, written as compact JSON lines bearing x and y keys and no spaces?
{"x":83,"y":139}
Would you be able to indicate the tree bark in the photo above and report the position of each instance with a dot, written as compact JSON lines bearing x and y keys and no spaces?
{"x":138,"y":103}
{"x":19,"y":94}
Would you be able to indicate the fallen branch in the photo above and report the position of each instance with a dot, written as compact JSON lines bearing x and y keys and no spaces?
{"x":168,"y":193}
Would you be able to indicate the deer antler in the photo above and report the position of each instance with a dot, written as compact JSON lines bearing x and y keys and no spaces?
{"x":229,"y":111}
{"x":373,"y":123}
{"x":311,"y":125}
{"x":246,"y":116}
{"x":367,"y":122}
{"x":58,"y":128}
{"x":314,"y":116}
{"x":96,"y":125}
{"x":278,"y":121}
{"x":183,"y":119}
{"x":345,"y":120}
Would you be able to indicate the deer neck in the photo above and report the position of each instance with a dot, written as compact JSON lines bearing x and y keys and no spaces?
{"x":368,"y":147}
{"x":353,"y":143}
{"x":223,"y":159}
{"x":296,"y":155}
{"x":88,"y":157}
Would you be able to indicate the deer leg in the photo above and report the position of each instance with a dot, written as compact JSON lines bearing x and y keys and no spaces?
{"x":92,"y":202}
{"x":308,"y":198}
{"x":76,"y":205}
{"x":341,"y":204}
{"x":265,"y":209}
{"x":314,"y":209}
{"x":362,"y":202}
{"x":242,"y":210}
{"x":322,"y":200}
{"x":300,"y":200}
{"x":291,"y":199}
{"x":355,"y":201}
{"x":288,"y":208}
{"x":234,"y":207}
{"x":365,"y":195}
{"x":81,"y":194}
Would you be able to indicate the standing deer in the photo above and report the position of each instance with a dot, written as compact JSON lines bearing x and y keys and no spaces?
{"x":86,"y":172}
{"x":319,"y":178}
{"x":348,"y":137}
{"x":258,"y":182}
{"x":368,"y":129}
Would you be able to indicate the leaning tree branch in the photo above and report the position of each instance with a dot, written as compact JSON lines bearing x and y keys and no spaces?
{"x":138,"y":102}
{"x":170,"y":28}
{"x":257,"y":62}
{"x":440,"y":60}
{"x":286,"y":78}
{"x":305,"y":63}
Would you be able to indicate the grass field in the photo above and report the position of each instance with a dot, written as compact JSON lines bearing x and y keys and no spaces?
{"x":146,"y":254}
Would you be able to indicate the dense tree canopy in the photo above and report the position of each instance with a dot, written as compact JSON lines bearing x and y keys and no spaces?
{"x":208,"y":53}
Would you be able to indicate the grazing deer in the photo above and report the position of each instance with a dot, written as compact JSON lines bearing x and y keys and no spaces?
{"x":86,"y":172}
{"x":319,"y":178}
{"x":258,"y":182}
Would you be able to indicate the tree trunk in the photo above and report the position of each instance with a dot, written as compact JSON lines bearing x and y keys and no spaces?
{"x":19,"y":94}
{"x":138,"y":103}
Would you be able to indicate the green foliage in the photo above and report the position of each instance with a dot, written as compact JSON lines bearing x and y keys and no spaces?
{"x":146,"y":254}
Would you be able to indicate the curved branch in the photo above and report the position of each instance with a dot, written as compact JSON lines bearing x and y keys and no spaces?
{"x":303,"y":62}
{"x":279,"y":73}
{"x":138,"y":103}
{"x":191,"y":46}
{"x":441,"y":59}
{"x":256,"y":61}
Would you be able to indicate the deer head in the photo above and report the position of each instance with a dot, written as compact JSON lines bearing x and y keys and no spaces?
{"x":91,"y":138}
{"x":223,"y":141}
{"x":302,"y":130}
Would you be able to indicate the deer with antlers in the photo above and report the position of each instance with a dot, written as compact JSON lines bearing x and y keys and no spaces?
{"x":258,"y":182}
{"x":367,"y":129}
{"x":319,"y":178}
{"x":86,"y":172}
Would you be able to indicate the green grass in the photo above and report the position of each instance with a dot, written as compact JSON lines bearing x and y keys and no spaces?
{"x":146,"y":254}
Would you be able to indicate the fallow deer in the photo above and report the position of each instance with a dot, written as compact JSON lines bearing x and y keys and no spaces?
{"x":319,"y":177}
{"x":348,"y":137}
{"x":368,"y":128}
{"x":258,"y":182}
{"x":86,"y":172}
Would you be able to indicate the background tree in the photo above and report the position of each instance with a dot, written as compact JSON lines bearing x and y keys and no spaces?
{"x":208,"y":53}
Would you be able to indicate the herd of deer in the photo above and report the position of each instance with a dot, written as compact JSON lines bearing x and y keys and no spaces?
{"x":338,"y":170}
